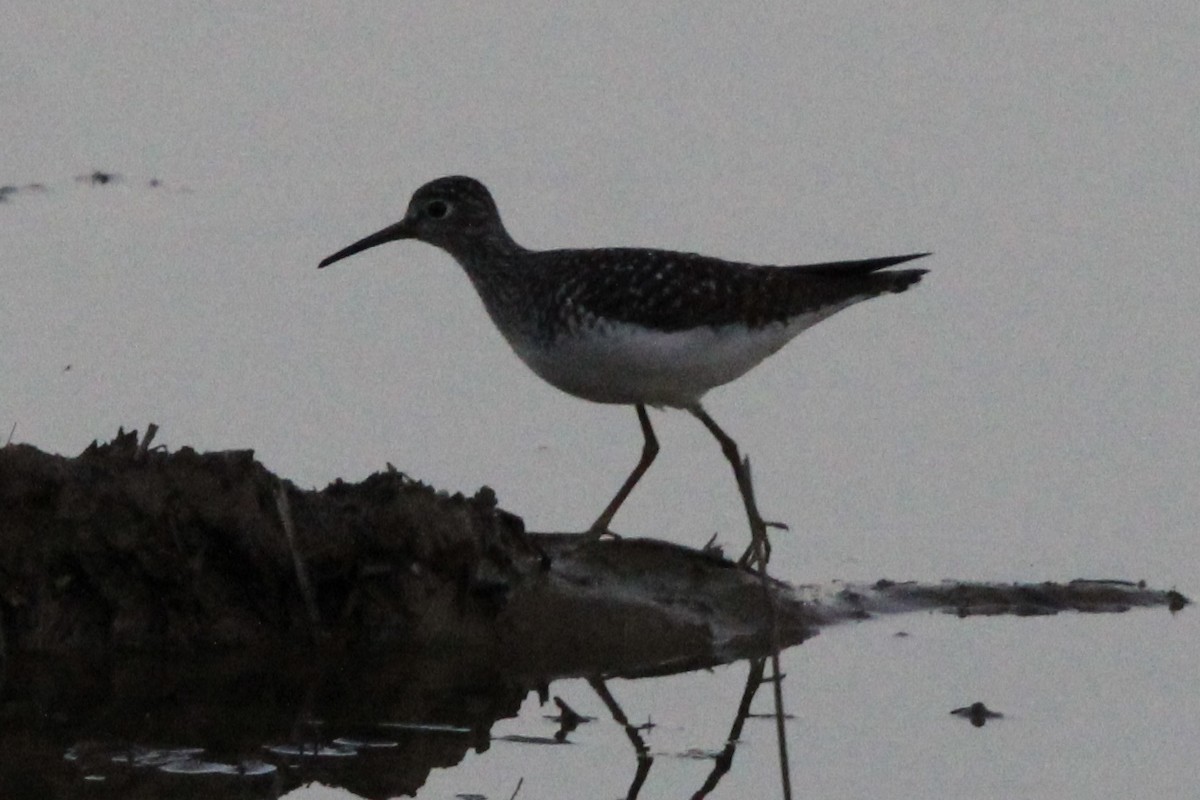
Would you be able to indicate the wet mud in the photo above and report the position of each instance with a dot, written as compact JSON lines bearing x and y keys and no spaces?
{"x":131,"y":549}
{"x":184,"y":623}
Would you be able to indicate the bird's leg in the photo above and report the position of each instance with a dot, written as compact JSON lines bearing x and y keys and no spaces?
{"x":759,"y":551}
{"x":649,"y":451}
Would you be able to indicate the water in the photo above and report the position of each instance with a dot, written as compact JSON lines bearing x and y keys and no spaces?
{"x":1094,"y":706}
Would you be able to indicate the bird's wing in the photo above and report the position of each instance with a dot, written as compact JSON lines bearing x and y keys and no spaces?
{"x":676,"y":291}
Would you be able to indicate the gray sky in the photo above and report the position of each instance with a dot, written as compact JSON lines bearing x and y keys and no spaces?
{"x":1029,"y":411}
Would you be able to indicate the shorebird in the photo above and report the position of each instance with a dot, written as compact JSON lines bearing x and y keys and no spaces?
{"x":635,"y":326}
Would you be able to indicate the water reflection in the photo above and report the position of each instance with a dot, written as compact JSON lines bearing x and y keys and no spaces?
{"x":634,"y":732}
{"x":722,"y":759}
{"x":376,"y":727}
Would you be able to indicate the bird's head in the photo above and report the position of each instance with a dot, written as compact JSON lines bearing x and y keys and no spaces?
{"x":455,"y":213}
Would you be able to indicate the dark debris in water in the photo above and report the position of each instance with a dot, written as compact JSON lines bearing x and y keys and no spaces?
{"x":95,"y":178}
{"x":98,"y":178}
{"x":967,"y":598}
{"x":977,"y":713}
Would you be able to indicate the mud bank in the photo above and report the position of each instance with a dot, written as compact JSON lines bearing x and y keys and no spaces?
{"x":131,"y":549}
{"x":128,"y":548}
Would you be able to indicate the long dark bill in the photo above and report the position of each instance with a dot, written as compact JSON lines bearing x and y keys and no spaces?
{"x":401,"y":230}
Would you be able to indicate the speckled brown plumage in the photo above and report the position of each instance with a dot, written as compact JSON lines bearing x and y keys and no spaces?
{"x":672,"y":291}
{"x":544,"y":294}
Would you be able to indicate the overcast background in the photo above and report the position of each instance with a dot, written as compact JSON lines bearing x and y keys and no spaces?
{"x":1028,"y":412}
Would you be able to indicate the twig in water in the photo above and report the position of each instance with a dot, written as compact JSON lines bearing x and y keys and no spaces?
{"x":151,"y":429}
{"x":289,"y":530}
{"x":513,"y":796}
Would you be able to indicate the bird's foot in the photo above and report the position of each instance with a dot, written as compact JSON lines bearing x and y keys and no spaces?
{"x":759,"y":551}
{"x":759,"y":529}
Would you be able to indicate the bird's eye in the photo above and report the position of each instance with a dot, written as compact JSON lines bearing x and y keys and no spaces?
{"x":438,"y":209}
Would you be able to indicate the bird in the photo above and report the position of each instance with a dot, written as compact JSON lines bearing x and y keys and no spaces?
{"x":635,"y":326}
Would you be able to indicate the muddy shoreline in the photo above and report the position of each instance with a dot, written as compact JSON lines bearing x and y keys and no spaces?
{"x":128,"y":548}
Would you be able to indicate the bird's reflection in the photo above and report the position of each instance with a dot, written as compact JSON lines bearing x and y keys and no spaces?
{"x":644,"y":759}
{"x":722,"y":761}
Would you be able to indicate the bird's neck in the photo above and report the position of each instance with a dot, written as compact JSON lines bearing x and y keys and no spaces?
{"x":483,"y":249}
{"x":505,"y":278}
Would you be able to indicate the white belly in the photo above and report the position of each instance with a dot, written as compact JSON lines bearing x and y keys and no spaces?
{"x":615,"y":362}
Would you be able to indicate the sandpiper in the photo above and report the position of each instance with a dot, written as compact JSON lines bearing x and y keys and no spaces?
{"x":634,"y":326}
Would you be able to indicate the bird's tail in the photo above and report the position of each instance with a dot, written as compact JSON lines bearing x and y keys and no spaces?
{"x":900,"y":279}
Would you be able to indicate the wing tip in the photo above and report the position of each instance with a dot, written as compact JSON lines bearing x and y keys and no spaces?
{"x":909,"y":257}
